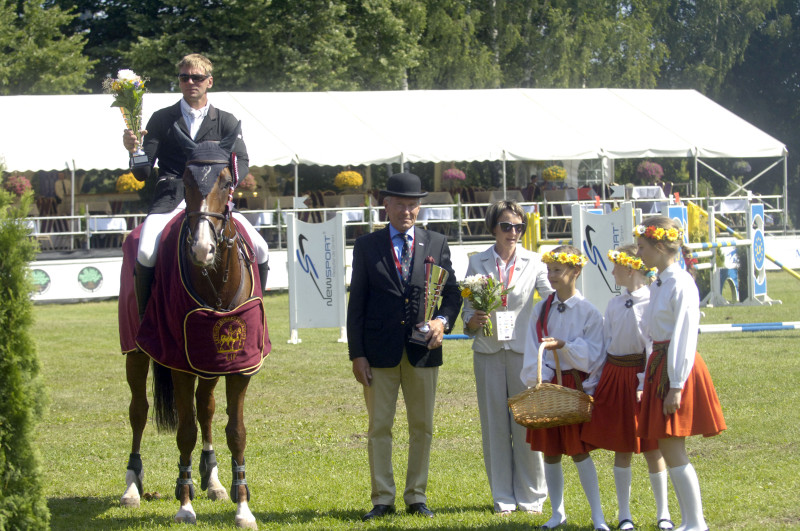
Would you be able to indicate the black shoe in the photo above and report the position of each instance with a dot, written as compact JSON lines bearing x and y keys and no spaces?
{"x":378,"y":511}
{"x":420,"y":509}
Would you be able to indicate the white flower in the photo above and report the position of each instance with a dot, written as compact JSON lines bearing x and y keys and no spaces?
{"x":127,"y":75}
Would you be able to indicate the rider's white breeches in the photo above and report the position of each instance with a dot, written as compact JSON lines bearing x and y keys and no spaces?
{"x":154,"y":225}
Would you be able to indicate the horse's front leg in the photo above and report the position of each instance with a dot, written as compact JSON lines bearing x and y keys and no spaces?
{"x":187,"y":439}
{"x":137,"y":364}
{"x":209,"y":471}
{"x":235,"y":390}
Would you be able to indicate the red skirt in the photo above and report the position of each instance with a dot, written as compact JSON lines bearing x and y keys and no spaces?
{"x":700,"y":412}
{"x":613,"y":424}
{"x":561,"y":440}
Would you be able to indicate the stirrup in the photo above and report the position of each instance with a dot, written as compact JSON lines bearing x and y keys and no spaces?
{"x":135,"y":466}
{"x":208,"y":460}
{"x":180,"y":482}
{"x":236,"y":468}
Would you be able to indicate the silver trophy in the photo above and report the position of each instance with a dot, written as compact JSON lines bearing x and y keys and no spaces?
{"x":435,"y":278}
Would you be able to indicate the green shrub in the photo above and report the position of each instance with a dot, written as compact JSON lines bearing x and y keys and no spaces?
{"x":22,"y":501}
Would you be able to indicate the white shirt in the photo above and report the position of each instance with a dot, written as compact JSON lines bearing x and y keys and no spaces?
{"x":193,"y":117}
{"x":623,"y":325}
{"x":674,"y":315}
{"x":580,"y":326}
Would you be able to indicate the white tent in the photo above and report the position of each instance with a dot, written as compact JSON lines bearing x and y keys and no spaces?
{"x":339,"y":128}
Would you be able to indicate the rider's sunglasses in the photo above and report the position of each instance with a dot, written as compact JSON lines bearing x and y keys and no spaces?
{"x":505,"y":226}
{"x":197,"y":78}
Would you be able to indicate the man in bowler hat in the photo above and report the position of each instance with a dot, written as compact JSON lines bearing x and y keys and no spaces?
{"x":387,"y":302}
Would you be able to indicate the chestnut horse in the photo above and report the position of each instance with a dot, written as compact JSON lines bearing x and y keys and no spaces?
{"x":205,"y":319}
{"x":137,"y":365}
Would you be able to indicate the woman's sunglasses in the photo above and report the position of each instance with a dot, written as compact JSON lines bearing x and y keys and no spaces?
{"x":197,"y":78}
{"x":505,"y":226}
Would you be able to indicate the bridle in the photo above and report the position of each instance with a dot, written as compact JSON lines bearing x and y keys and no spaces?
{"x":221,"y":239}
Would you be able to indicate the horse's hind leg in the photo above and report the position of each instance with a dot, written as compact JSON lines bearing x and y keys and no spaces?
{"x":187,"y":439}
{"x":235,"y":390}
{"x":209,"y":471}
{"x":136,"y":368}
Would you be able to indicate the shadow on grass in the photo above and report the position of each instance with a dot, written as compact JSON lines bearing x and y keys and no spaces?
{"x":85,"y":513}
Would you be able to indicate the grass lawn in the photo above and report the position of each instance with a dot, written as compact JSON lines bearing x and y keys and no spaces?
{"x":307,"y":458}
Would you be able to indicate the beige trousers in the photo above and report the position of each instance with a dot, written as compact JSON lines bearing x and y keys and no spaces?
{"x":419,"y":393}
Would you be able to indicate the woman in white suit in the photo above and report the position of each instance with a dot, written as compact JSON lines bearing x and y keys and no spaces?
{"x":516,"y":474}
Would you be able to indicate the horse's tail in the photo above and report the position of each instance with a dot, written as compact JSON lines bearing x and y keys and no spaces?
{"x":166,"y":416}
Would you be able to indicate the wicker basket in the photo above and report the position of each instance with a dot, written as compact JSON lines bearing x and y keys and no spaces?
{"x":548,"y":405}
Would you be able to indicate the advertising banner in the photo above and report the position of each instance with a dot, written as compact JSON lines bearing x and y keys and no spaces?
{"x":315,"y":260}
{"x":595,"y":234}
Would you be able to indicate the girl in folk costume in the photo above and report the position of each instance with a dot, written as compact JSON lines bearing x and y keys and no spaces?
{"x":679,"y":398}
{"x":570,"y":324}
{"x":616,"y":400}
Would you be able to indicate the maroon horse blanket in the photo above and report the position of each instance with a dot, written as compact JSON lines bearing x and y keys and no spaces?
{"x":128,"y":311}
{"x":182,"y":334}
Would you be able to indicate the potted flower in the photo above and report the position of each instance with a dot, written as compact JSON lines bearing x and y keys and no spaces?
{"x":348,"y":180}
{"x":554,"y":173}
{"x":649,"y":172}
{"x":128,"y":183}
{"x":453,"y":177}
{"x":248,"y":184}
{"x":17,"y":184}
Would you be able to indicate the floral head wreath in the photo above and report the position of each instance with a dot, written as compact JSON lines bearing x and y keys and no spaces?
{"x":576,"y":260}
{"x":657,"y":233}
{"x":633,"y":262}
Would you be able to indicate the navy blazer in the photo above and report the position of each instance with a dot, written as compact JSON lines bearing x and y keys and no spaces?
{"x":381,"y":312}
{"x":163,"y":149}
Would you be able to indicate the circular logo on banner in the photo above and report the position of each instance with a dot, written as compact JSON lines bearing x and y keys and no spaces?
{"x":90,"y":278}
{"x":41,"y":281}
{"x":758,"y":250}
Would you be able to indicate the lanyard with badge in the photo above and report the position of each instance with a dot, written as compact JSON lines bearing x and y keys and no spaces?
{"x":505,"y":318}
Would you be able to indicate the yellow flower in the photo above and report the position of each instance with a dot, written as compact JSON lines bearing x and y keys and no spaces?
{"x":348,"y":179}
{"x":672,"y":234}
{"x":466,"y":293}
{"x":659,"y":233}
{"x":128,"y":183}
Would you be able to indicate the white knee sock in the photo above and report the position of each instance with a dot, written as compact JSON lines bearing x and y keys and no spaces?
{"x":554,"y":477}
{"x":658,"y":482}
{"x":684,"y":480}
{"x":622,"y":480}
{"x":588,"y":476}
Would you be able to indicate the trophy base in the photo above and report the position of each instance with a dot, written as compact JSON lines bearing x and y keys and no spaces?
{"x":139,"y":160}
{"x":418,"y":337}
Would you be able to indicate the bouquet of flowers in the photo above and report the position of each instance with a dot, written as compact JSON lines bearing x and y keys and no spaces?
{"x":484,"y":293}
{"x":128,"y":183}
{"x":248,"y":184}
{"x":348,"y":179}
{"x":128,"y":90}
{"x":554,"y":173}
{"x":17,"y":184}
{"x":453,"y":174}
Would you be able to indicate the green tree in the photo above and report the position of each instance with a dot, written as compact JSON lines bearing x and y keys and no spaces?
{"x":574,"y":43}
{"x":22,"y":501}
{"x":707,"y":39}
{"x":36,"y":57}
{"x":453,"y":57}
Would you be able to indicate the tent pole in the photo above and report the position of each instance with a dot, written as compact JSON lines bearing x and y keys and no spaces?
{"x":696,"y":191}
{"x":296,"y":179}
{"x":505,"y":194}
{"x":71,"y":203}
{"x":785,"y":195}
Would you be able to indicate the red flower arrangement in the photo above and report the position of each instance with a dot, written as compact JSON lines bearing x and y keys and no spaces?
{"x":453,"y":174}
{"x":17,"y":184}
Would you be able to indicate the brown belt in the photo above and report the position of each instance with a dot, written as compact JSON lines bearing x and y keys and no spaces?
{"x":659,"y":351}
{"x":627,"y":360}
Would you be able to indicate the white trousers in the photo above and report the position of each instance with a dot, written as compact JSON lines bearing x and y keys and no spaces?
{"x":154,"y":225}
{"x":516,"y":473}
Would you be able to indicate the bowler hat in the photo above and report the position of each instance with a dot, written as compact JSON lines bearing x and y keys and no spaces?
{"x":404,"y":185}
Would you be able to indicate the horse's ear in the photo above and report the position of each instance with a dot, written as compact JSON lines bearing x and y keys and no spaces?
{"x":229,"y":141}
{"x":184,"y":141}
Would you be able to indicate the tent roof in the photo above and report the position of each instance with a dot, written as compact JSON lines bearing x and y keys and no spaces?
{"x":341,"y":128}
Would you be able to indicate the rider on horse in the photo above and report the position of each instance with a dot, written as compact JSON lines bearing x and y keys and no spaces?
{"x":202,"y":122}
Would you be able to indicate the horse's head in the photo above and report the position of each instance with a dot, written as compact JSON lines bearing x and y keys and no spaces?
{"x":209,"y":180}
